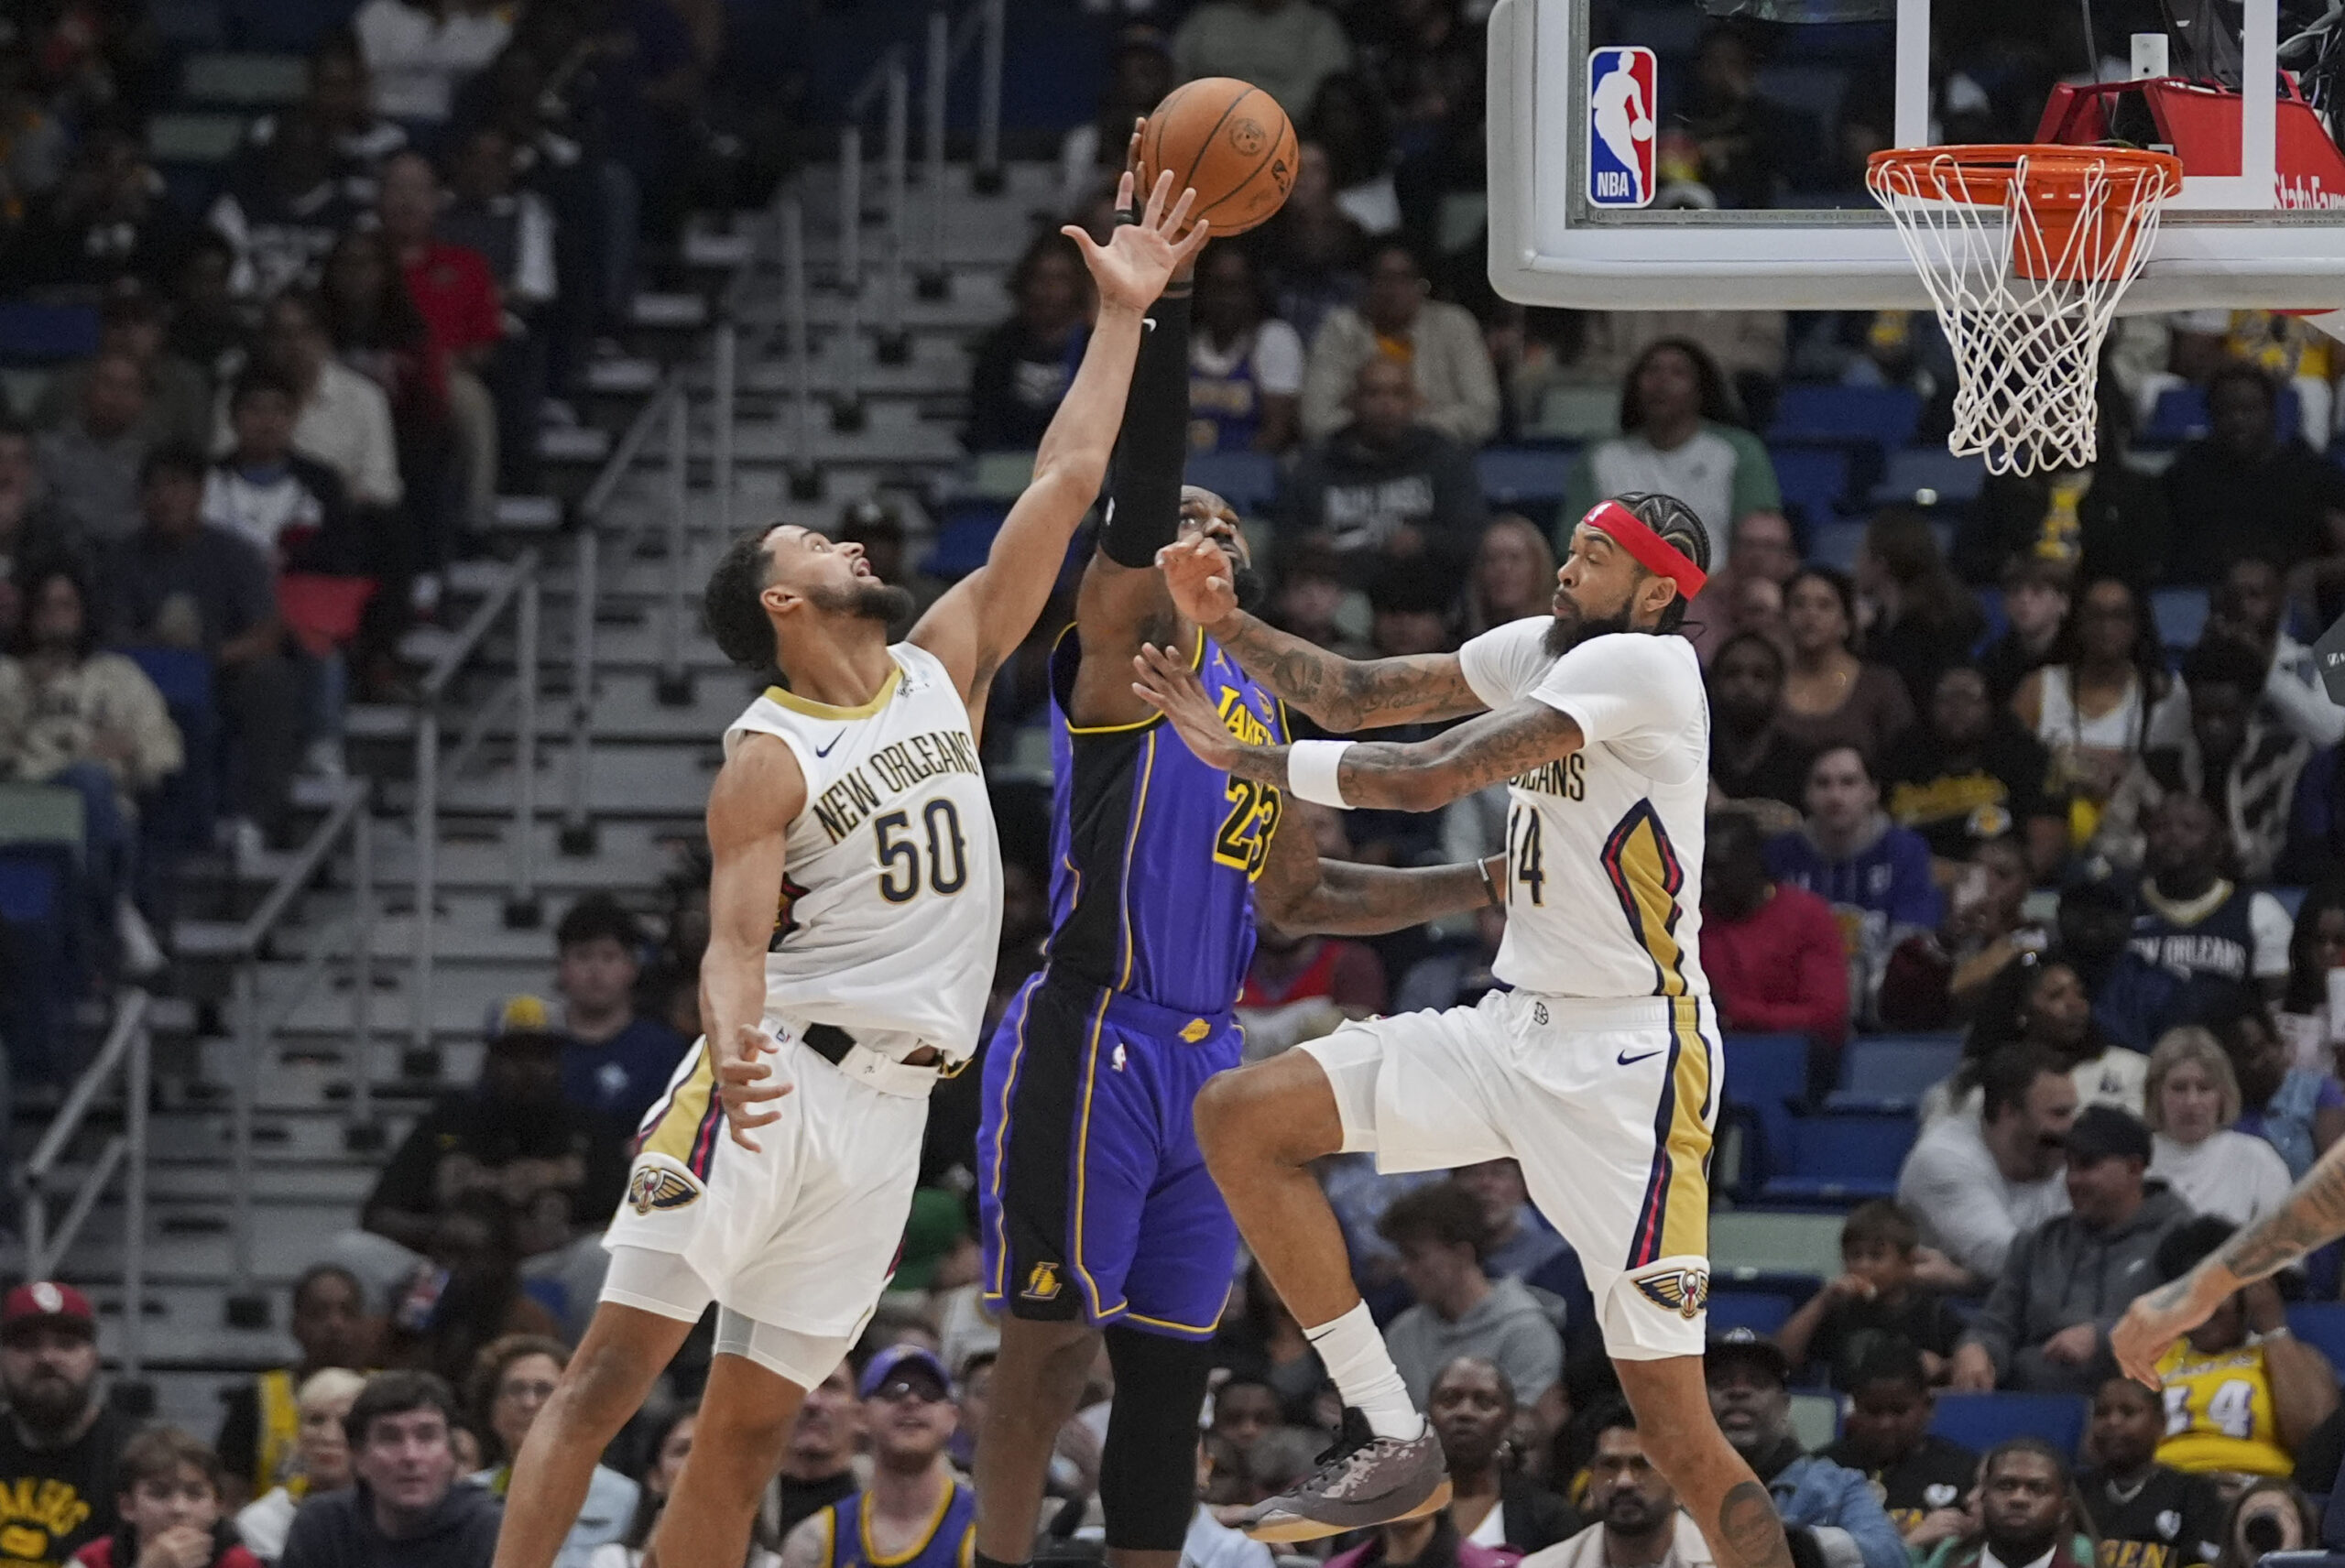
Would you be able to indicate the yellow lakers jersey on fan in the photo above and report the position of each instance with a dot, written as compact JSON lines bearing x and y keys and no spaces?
{"x":1604,"y":848}
{"x":2219,"y":1412}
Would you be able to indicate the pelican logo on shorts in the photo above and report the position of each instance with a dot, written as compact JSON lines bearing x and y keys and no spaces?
{"x":1685,"y":1292}
{"x":1248,"y":137}
{"x":657,"y":1187}
{"x":1042,"y":1284}
{"x":1622,"y":123}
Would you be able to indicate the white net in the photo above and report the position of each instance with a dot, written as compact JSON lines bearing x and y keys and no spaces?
{"x":2026,"y":258}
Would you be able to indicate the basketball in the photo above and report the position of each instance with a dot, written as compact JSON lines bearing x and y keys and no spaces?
{"x":1230,"y":140}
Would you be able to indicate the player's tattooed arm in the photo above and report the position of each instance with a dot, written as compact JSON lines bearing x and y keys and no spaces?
{"x":1300,"y":892}
{"x":2313,"y":1216}
{"x":1420,"y":775}
{"x":1340,"y":694}
{"x":758,"y":792}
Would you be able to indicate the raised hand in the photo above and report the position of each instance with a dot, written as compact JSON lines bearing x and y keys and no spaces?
{"x":1197,"y":576}
{"x":2152,"y":1324}
{"x":1132,"y":268}
{"x":1166,"y":684}
{"x":744,"y":1081}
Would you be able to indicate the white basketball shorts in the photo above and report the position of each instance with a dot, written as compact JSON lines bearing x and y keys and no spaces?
{"x":1609,"y":1106}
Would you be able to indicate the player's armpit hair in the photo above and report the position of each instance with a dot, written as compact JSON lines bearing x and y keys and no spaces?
{"x":1144,"y":486}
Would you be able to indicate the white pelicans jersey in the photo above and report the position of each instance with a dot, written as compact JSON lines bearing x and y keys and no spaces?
{"x":891,"y":907}
{"x":1604,"y":848}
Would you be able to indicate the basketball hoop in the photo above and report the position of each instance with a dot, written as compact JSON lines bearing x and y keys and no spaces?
{"x":2025,"y":252}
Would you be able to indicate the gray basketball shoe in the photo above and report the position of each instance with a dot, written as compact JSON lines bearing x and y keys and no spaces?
{"x":1363,"y":1480}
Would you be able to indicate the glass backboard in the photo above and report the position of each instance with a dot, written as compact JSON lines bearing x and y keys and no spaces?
{"x":1688,"y":154}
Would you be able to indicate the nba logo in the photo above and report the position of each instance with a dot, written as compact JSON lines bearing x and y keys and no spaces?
{"x":1620,"y":116}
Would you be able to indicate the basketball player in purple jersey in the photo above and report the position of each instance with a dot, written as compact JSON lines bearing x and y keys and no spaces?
{"x":1097,"y":1217}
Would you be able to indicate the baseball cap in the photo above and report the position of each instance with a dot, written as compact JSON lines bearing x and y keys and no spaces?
{"x":884,"y":1367}
{"x":2101,"y":1131}
{"x":46,"y":1301}
{"x":1740,"y":1344}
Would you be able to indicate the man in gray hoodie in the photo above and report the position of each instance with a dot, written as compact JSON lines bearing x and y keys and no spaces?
{"x":2045,"y":1328}
{"x":1441,"y":1233}
{"x":407,"y":1507}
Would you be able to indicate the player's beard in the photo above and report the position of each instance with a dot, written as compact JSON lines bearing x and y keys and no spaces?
{"x":866,"y":599}
{"x":1568,"y":630}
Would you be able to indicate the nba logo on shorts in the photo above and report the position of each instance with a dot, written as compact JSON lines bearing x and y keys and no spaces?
{"x":1621,"y":121}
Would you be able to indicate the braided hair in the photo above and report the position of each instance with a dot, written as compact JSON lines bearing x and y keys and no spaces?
{"x":1683,"y":529}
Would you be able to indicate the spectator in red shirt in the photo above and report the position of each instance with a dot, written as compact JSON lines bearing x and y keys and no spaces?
{"x":1773,"y":952}
{"x":456,"y":293}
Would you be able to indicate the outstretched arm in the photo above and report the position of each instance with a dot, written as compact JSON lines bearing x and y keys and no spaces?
{"x":974,"y":627}
{"x":757,"y":794}
{"x":1340,"y":694}
{"x":2313,"y":1216}
{"x":1418,"y":777}
{"x":1300,"y":892}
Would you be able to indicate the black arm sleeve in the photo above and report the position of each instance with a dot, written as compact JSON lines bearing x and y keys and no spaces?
{"x":1144,"y":486}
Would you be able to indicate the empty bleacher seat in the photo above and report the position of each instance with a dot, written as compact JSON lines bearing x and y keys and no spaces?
{"x":1929,"y":476}
{"x":1578,"y":413}
{"x":1247,"y":480}
{"x":2180,"y":614}
{"x":1760,"y":1311}
{"x":1514,"y":476}
{"x":246,"y":81}
{"x":1813,"y":480}
{"x":1765,"y":1075}
{"x":2181,"y":415}
{"x":1769,"y":1244}
{"x":1980,"y":1421}
{"x":1836,"y":544}
{"x":33,"y":333}
{"x":2320,"y":1325}
{"x":1891,"y":1068}
{"x":1842,"y":1157}
{"x":1885,"y":416}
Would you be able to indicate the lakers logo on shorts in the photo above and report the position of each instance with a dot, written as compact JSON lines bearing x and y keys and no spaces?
{"x":1685,"y":1292}
{"x":656,"y":1187}
{"x":1042,"y":1284}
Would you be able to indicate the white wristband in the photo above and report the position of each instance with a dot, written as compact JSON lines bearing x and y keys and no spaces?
{"x":1312,"y":771}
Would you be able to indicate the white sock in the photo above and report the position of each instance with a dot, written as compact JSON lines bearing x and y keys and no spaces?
{"x":1355,"y":1356}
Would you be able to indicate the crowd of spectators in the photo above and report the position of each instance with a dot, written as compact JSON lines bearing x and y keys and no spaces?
{"x":251,"y":413}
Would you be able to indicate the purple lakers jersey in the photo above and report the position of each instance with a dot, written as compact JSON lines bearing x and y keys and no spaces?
{"x":1154,"y":854}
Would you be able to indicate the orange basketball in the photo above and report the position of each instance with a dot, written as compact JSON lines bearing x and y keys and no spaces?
{"x":1231,"y":141}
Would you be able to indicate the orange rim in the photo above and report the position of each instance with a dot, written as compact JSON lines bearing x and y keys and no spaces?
{"x":2057,"y":176}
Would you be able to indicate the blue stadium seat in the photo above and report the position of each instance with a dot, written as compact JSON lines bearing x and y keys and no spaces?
{"x":2320,"y":1325}
{"x":1247,"y":480}
{"x":1929,"y":475}
{"x":1979,"y":1421}
{"x":2181,"y":415}
{"x":1766,"y":1074}
{"x":44,"y":334}
{"x":1897,"y":1067}
{"x":2180,"y":614}
{"x":1843,"y":1157}
{"x":40,"y":971}
{"x":1835,"y":545}
{"x":1514,"y":475}
{"x":963,"y":537}
{"x":181,"y":815}
{"x":1813,"y":480}
{"x":2290,"y":898}
{"x":1991,"y":604}
{"x":1885,"y":416}
{"x":1760,"y":1311}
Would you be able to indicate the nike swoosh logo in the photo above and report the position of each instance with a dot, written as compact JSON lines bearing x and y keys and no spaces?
{"x":825,"y":750}
{"x":1625,"y":1060}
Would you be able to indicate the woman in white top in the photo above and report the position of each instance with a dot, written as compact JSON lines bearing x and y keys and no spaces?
{"x":2092,"y":712}
{"x":2193,"y":1100}
{"x":512,"y":1379}
{"x":323,"y":1451}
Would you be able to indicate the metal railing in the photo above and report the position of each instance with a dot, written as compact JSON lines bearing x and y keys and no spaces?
{"x":127,"y":1054}
{"x":516,"y":588}
{"x":350,"y":818}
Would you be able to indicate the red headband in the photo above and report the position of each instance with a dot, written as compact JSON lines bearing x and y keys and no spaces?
{"x":1652,"y":551}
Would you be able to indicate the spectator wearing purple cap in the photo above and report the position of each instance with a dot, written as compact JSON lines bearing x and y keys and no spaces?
{"x":61,"y":1445}
{"x":2045,"y":1327}
{"x":916,"y":1512}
